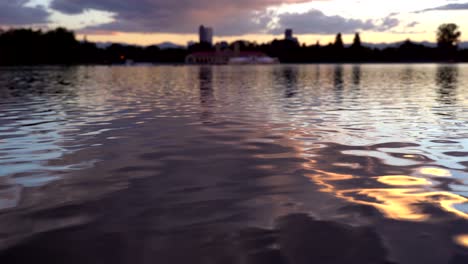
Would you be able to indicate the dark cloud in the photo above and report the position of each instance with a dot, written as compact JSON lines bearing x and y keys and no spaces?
{"x":176,"y":7}
{"x":228,"y":17}
{"x":412,"y":24}
{"x":13,"y":12}
{"x":387,"y":23}
{"x":447,"y":7}
{"x":230,"y":25}
{"x":316,"y":22}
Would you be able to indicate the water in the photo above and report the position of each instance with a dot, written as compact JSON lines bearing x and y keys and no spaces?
{"x":252,"y":164}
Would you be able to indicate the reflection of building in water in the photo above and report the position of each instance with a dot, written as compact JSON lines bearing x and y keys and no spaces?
{"x":290,"y":76}
{"x":205,"y":80}
{"x":447,"y":82}
{"x":205,"y":77}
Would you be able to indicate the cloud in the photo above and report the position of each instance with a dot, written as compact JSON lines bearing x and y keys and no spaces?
{"x":228,"y":17}
{"x":412,"y":24}
{"x":316,"y":22}
{"x":447,"y":7}
{"x":14,"y":12}
{"x":387,"y":24}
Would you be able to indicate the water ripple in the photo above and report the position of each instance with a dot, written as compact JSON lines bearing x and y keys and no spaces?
{"x":169,"y":153}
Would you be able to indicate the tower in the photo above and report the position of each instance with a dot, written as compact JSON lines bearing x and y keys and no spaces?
{"x":288,"y":34}
{"x":209,"y":35}
{"x":201,"y":34}
{"x":205,"y":35}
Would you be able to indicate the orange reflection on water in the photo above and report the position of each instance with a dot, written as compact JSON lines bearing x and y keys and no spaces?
{"x":436,"y":172}
{"x":462,"y":240}
{"x":394,"y":203}
{"x":403,"y":180}
{"x":325,"y":179}
{"x":404,"y":202}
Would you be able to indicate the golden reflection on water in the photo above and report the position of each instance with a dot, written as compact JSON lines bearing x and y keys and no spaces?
{"x":401,"y":197}
{"x":405,"y":202}
{"x":394,"y":203}
{"x":403,"y":180}
{"x":435,"y":172}
{"x":462,"y":240}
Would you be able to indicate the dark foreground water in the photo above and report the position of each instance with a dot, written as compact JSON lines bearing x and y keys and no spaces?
{"x":255,"y":164}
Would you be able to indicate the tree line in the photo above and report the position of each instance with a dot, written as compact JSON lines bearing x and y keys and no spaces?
{"x":60,"y":46}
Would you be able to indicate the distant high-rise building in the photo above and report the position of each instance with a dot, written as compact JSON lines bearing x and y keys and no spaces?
{"x":209,"y":35}
{"x":206,"y":35}
{"x":201,"y":34}
{"x":288,"y":35}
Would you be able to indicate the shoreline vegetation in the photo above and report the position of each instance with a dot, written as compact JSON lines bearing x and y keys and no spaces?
{"x":60,"y":47}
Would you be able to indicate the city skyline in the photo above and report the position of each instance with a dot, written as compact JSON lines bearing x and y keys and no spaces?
{"x":154,"y":21}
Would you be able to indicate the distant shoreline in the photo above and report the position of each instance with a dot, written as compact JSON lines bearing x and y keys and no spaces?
{"x":226,"y":65}
{"x":60,"y":47}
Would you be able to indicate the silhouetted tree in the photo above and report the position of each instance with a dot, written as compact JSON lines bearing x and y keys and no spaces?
{"x":60,"y":46}
{"x":356,"y":51}
{"x":356,"y":41}
{"x":338,"y":42}
{"x":448,"y":35}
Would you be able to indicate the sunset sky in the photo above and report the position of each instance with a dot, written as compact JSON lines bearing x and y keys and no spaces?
{"x":153,"y":21}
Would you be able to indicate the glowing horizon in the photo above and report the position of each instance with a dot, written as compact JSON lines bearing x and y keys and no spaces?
{"x":183,"y":39}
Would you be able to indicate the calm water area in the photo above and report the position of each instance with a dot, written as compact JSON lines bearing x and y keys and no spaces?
{"x":234,"y":164}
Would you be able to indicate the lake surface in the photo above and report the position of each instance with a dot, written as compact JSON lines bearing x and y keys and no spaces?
{"x":251,"y":164}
